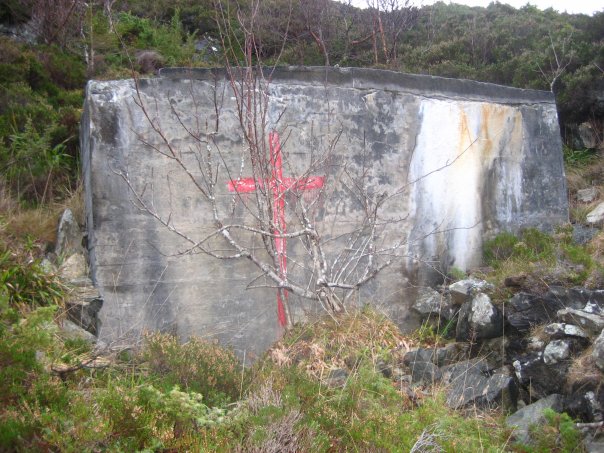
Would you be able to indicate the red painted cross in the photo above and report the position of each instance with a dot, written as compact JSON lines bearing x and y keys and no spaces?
{"x":278,"y":186}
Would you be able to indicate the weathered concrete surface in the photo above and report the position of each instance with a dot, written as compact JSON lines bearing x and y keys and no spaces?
{"x":454,"y":160}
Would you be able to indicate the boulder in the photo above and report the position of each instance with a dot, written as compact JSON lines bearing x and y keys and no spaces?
{"x":471,"y":382}
{"x":523,"y":311}
{"x":425,"y":372}
{"x":558,"y":330}
{"x":598,"y":351}
{"x":74,"y":267}
{"x":591,"y":322}
{"x":588,"y":135}
{"x":583,"y":234}
{"x":539,"y":378}
{"x":337,"y":377}
{"x":463,"y":290}
{"x":521,"y":420}
{"x":82,"y":306}
{"x":446,"y":355}
{"x":556,"y":351}
{"x":479,"y":319}
{"x":430,"y":302}
{"x":597,"y":215}
{"x":570,"y":297}
{"x":72,"y":331}
{"x":69,"y":235}
{"x":587,"y":195}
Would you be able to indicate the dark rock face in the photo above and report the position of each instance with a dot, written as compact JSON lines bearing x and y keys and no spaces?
{"x":425,"y":372}
{"x":536,"y":368}
{"x":523,"y":311}
{"x":473,"y":382}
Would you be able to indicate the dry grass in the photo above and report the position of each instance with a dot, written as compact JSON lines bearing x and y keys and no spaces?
{"x":341,"y":342}
{"x":583,"y":371}
{"x":18,"y":224}
{"x":596,"y":246}
{"x":577,"y":178}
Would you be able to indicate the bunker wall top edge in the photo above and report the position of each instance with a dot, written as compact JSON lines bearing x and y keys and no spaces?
{"x":379,"y":79}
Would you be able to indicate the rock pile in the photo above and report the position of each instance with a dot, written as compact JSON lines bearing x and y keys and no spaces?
{"x":531,"y":352}
{"x":83,"y":300}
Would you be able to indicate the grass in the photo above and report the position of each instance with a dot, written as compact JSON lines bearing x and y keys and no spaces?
{"x":541,"y":259}
{"x":195,"y":396}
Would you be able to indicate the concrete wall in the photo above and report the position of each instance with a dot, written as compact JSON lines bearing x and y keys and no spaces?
{"x":454,"y":160}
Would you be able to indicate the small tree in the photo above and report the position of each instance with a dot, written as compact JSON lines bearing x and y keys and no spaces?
{"x":276,"y":208}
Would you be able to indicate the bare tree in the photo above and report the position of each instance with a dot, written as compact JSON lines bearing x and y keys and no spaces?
{"x":56,"y":20}
{"x":390,"y":18}
{"x":265,"y":206}
{"x":560,"y":55}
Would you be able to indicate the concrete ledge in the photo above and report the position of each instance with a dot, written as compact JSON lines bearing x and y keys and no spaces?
{"x":378,"y":79}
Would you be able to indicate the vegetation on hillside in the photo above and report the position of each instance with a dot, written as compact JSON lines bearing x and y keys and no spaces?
{"x":197,"y":396}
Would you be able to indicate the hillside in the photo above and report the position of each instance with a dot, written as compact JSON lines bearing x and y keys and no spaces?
{"x":350,"y":382}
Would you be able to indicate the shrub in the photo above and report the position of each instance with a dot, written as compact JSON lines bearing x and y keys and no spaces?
{"x":197,"y":365}
{"x":557,"y":434}
{"x":27,"y":284}
{"x":532,"y":245}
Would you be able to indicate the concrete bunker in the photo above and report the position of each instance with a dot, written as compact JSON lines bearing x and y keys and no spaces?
{"x":435,"y":164}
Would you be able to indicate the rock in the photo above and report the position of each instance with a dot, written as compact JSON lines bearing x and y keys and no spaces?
{"x":452,"y":353}
{"x":587,"y":195}
{"x":72,"y":331}
{"x":535,"y":344}
{"x":539,"y":378}
{"x":337,"y":378}
{"x":47,"y":266}
{"x":462,"y":290}
{"x":494,"y":351}
{"x":569,"y":297}
{"x":588,"y":136}
{"x":479,"y":319}
{"x":425,"y":372}
{"x":583,"y":234}
{"x":597,"y":215}
{"x":446,"y":355}
{"x":515,"y":281}
{"x":591,"y":322}
{"x":593,"y":308}
{"x":430,"y":302}
{"x":74,"y":267}
{"x":598,"y":351}
{"x":385,"y":368}
{"x":584,"y":406}
{"x":560,"y":330}
{"x":556,"y":351}
{"x":82,"y":306}
{"x":69,"y":235}
{"x":532,"y":414}
{"x":523,"y":311}
{"x":471,"y":382}
{"x":594,"y":444}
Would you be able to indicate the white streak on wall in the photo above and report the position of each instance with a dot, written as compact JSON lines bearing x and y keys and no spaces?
{"x":453,"y":163}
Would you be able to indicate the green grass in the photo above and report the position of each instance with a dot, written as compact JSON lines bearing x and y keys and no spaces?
{"x":546,"y":259}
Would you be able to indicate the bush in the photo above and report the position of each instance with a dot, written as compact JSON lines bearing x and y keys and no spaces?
{"x":532,"y":245}
{"x":197,"y":366}
{"x":557,"y":434}
{"x":26,"y":284}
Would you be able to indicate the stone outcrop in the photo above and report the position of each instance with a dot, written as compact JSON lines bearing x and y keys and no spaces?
{"x":541,"y":356}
